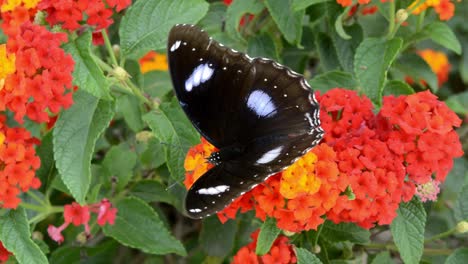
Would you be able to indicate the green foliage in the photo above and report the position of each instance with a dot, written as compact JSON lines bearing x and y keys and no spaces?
{"x":268,"y":234}
{"x":408,"y":230}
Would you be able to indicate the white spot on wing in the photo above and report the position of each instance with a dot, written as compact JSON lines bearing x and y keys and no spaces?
{"x":200,"y":74}
{"x":175,"y":46}
{"x":213,"y":190}
{"x":195,"y":210}
{"x":261,"y":103}
{"x":270,"y":155}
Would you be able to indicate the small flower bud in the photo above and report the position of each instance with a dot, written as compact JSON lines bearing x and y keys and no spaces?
{"x":81,"y":238}
{"x":401,"y":15}
{"x":316,"y":249}
{"x":144,"y":136}
{"x":36,"y":235}
{"x":120,"y":73}
{"x":116,"y":49}
{"x":288,"y":233}
{"x":462,"y":227}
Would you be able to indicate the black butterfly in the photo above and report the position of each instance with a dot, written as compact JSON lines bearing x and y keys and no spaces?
{"x":259,"y":114}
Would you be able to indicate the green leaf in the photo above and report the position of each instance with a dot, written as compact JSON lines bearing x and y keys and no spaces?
{"x":345,"y":232}
{"x":262,"y":45}
{"x":214,"y":19}
{"x":327,"y":53}
{"x":75,"y":135}
{"x":345,"y":49}
{"x":461,"y":205}
{"x":396,"y":87}
{"x":152,"y":191}
{"x":16,"y":237}
{"x":146,"y":24}
{"x":304,"y":256}
{"x":267,"y":236}
{"x":288,"y":21}
{"x":438,"y":32}
{"x":157,"y":83}
{"x":414,"y":66}
{"x":119,"y":162}
{"x":459,"y":256}
{"x":87,"y":75}
{"x":45,"y":152}
{"x":129,"y":106}
{"x":382,"y":258}
{"x":171,"y":126}
{"x":217,"y":239}
{"x":371,"y":63}
{"x":137,"y":225}
{"x":303,"y":4}
{"x":408,"y":230}
{"x":458,"y":103}
{"x":72,"y":254}
{"x":235,"y":11}
{"x":333,"y":79}
{"x":339,"y":25}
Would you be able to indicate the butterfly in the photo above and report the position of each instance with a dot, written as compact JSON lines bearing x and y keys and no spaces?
{"x":261,"y":115}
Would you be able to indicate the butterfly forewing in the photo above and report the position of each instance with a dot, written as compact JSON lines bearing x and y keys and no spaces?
{"x":257,"y":109}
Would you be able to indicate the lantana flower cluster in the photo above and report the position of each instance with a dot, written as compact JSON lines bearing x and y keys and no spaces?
{"x":366,"y":165}
{"x":81,"y":215}
{"x":72,"y":14}
{"x":281,"y":252}
{"x":18,"y":163}
{"x":444,"y":8}
{"x":4,"y":253}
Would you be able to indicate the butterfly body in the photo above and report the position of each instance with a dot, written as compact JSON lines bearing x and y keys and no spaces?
{"x":259,"y":114}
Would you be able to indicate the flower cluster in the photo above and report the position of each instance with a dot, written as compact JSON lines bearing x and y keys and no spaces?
{"x":364,"y":168}
{"x":43,"y":73}
{"x":438,"y":62}
{"x":386,"y":155}
{"x":71,"y":14}
{"x":153,"y":61}
{"x":80,"y":215}
{"x":281,"y":252}
{"x":444,"y":8}
{"x":4,"y":253}
{"x":18,"y":162}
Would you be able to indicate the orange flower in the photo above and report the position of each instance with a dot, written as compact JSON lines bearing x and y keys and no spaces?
{"x":444,"y":8}
{"x":19,"y":163}
{"x":153,"y":61}
{"x":438,"y":62}
{"x":195,"y":162}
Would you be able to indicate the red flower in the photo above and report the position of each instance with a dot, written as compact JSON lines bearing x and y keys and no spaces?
{"x":42,"y":81}
{"x":4,"y":253}
{"x":106,"y":214}
{"x":18,"y":162}
{"x":76,"y":214}
{"x":281,"y":252}
{"x":71,"y":14}
{"x":80,"y":215}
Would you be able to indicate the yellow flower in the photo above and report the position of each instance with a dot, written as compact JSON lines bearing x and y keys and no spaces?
{"x":8,"y":64}
{"x":10,"y":5}
{"x":300,"y":178}
{"x":153,"y":61}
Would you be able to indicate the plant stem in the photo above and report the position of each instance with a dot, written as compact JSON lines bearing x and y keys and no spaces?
{"x":441,"y":235}
{"x":37,"y":198}
{"x":420,"y":21}
{"x":391,"y":26}
{"x":33,"y":207}
{"x":109,"y":47}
